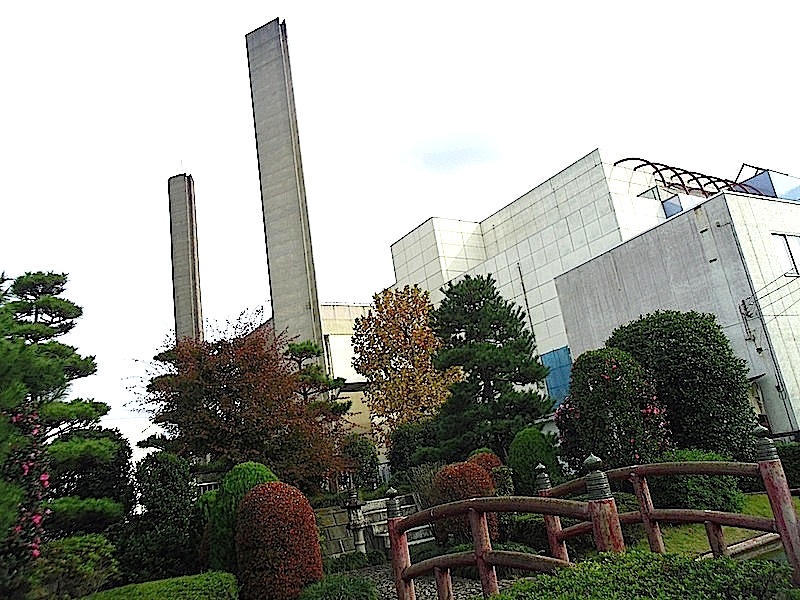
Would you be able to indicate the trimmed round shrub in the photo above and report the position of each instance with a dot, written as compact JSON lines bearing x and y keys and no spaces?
{"x":529,"y":448}
{"x":461,"y":481}
{"x":223,"y":508}
{"x":612,"y":412}
{"x":610,"y":576}
{"x":277,"y":545}
{"x":700,"y":380}
{"x":341,"y":587}
{"x":487,"y":460}
{"x":702,"y":492}
{"x":73,"y":567}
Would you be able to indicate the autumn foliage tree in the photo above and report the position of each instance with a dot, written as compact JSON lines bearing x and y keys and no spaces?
{"x":243,"y":398}
{"x":394,"y":345}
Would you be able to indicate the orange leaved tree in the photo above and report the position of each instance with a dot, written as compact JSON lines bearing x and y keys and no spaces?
{"x":240,"y":399}
{"x":394,"y":345}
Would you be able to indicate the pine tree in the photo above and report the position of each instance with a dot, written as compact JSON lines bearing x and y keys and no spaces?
{"x":486,"y":336}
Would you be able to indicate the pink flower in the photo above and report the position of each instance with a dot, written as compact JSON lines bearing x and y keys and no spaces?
{"x":16,"y":418}
{"x":35,"y":553}
{"x":37,"y":519}
{"x":17,"y":529}
{"x":44,"y":477}
{"x":25,"y":468}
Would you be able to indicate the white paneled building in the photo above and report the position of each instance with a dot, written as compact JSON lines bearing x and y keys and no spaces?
{"x":593,"y":210}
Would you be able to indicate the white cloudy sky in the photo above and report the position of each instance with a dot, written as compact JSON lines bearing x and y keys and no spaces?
{"x":406,"y":111}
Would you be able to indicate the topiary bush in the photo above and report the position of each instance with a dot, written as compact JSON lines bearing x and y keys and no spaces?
{"x":83,"y":515}
{"x":73,"y":567}
{"x":277,"y":545}
{"x":701,"y":382}
{"x":341,"y":587}
{"x":461,"y":481}
{"x":529,"y":448}
{"x":206,"y":586}
{"x":222,"y":523}
{"x":610,"y":576}
{"x":702,"y":492}
{"x":612,"y":411}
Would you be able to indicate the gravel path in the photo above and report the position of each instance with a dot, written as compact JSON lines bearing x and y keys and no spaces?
{"x":425,"y":587}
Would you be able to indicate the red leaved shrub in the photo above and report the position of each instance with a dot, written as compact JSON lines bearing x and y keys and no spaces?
{"x":277,"y":547}
{"x":486,"y":460}
{"x":461,"y":481}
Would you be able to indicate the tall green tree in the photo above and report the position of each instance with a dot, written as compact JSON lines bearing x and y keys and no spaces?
{"x":486,"y":336}
{"x":702,"y":383}
{"x":35,"y":372}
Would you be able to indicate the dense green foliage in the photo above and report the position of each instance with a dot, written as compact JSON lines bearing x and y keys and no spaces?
{"x":206,"y":586}
{"x":487,"y":337}
{"x":406,"y":440}
{"x":789,"y":454}
{"x":461,"y":481}
{"x":277,"y":545}
{"x":352,"y":561}
{"x":340,"y":587}
{"x":612,"y":411}
{"x":530,"y":448}
{"x":703,"y":492}
{"x":701,"y":382}
{"x":72,"y":515}
{"x":35,"y":372}
{"x":225,"y":508}
{"x":160,"y":542}
{"x":73,"y":567}
{"x":662,"y":576}
{"x":529,"y":529}
{"x":362,"y":459}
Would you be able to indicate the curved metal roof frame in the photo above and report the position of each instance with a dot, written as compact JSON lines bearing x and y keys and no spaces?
{"x":675,"y":179}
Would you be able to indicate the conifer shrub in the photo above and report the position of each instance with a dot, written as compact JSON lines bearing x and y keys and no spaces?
{"x":277,"y":545}
{"x":461,"y":481}
{"x":223,"y":508}
{"x":529,"y":448}
{"x":341,"y":587}
{"x":701,"y":492}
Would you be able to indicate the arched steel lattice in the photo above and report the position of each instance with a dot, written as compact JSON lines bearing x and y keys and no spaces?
{"x":688,"y":182}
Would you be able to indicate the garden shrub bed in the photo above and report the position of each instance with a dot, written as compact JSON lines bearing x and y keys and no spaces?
{"x":213,"y":585}
{"x":662,"y":576}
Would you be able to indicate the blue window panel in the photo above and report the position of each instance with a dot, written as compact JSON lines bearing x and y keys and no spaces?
{"x":559,"y":362}
{"x":672,"y":206}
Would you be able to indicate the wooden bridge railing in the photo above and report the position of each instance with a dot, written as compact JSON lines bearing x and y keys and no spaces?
{"x":598,"y":515}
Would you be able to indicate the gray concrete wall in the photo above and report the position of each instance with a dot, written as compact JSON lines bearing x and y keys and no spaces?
{"x":185,"y":261}
{"x":691,"y":262}
{"x":293,"y":287}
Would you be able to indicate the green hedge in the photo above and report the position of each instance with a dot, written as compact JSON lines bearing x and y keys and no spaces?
{"x":213,"y":585}
{"x":790,"y":457}
{"x":662,"y":576}
{"x":340,"y":587}
{"x":352,"y":561}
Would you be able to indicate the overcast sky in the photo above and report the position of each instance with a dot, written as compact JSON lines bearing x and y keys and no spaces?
{"x":405,"y":111}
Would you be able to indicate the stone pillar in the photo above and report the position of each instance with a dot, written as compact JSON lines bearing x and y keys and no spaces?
{"x":355,"y":519}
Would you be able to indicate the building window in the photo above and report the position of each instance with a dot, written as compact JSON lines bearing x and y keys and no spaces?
{"x":788,"y":248}
{"x":560,"y":364}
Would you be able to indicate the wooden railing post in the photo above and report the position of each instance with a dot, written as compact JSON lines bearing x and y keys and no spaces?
{"x":398,"y":543}
{"x":716,"y":539}
{"x":482,"y":544}
{"x":652,"y":528}
{"x":780,"y":498}
{"x":444,"y":585}
{"x":558,"y":548}
{"x":602,"y":509}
